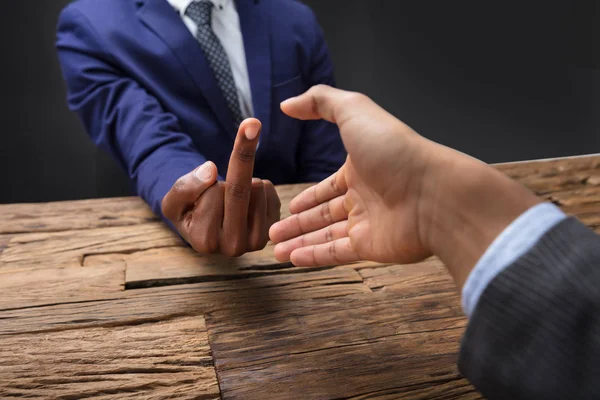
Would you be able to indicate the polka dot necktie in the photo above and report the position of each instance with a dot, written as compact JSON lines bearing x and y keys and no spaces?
{"x":200,"y":12}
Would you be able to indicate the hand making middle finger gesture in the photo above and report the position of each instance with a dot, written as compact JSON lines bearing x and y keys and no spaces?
{"x":231,"y":217}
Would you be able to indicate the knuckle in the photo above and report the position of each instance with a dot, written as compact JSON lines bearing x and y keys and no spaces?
{"x":212,"y":247}
{"x":244,"y":155}
{"x":178,"y":190}
{"x":333,"y":253}
{"x":179,"y":185}
{"x":258,"y":183}
{"x":355,"y":98}
{"x":328,"y":234}
{"x":276,"y":200}
{"x":202,"y":241}
{"x":257,"y":243}
{"x":208,"y":243}
{"x":334,"y":185}
{"x":275,"y":209}
{"x":238,"y":191}
{"x":234,"y":248}
{"x":326,"y":213}
{"x":273,"y":198}
{"x":165,"y":207}
{"x":203,"y":245}
{"x":261,"y":244}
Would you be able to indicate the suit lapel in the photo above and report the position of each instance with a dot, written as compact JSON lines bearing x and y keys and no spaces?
{"x":159,"y":16}
{"x":254,"y":23}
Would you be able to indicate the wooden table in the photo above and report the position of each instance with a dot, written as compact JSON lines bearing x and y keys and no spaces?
{"x":99,"y":299}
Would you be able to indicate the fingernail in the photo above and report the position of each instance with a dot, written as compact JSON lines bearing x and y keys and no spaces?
{"x":204,"y":173}
{"x":251,"y":132}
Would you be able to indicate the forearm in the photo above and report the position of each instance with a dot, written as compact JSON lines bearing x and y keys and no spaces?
{"x":467,"y":205}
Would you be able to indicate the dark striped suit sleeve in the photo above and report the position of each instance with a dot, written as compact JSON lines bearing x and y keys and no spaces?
{"x":535,"y":333}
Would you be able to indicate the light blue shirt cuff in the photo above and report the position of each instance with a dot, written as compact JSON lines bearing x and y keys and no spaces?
{"x":517,"y":239}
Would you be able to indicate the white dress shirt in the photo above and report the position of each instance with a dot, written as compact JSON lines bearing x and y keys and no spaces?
{"x":226,"y":25}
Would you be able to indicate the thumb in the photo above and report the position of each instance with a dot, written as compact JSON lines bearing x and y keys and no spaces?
{"x":319,"y":102}
{"x":187,"y":189}
{"x":339,"y":107}
{"x":330,"y":104}
{"x":364,"y":125}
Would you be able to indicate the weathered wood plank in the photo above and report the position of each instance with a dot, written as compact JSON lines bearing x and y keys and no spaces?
{"x":577,"y":197}
{"x":546,"y":186}
{"x":69,"y":248}
{"x":338,"y":348}
{"x":407,"y":280}
{"x":161,"y":360}
{"x":153,"y":304}
{"x":408,"y":367}
{"x":548,"y":168}
{"x":4,"y":239}
{"x":547,"y":177}
{"x":72,"y":215}
{"x":58,"y":285}
{"x":314,"y":324}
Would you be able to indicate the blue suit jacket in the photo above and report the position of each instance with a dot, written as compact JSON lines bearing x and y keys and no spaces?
{"x":144,"y":91}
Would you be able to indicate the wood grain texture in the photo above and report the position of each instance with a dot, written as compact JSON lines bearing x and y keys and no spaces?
{"x":350,"y":346}
{"x":161,"y":360}
{"x":577,"y":197}
{"x":71,"y":247}
{"x":539,"y":169}
{"x":430,"y":276}
{"x":4,"y":239}
{"x":73,"y":215}
{"x":357,"y":331}
{"x":59,"y":285}
{"x":154,"y":304}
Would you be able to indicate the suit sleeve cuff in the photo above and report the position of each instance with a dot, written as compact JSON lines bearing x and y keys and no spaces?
{"x":518,"y":238}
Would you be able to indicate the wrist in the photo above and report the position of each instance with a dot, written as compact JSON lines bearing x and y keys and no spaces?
{"x":466,"y":205}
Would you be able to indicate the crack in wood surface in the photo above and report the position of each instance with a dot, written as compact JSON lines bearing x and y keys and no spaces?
{"x":213,"y":278}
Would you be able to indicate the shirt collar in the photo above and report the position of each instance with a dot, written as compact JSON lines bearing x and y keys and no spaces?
{"x":181,"y":5}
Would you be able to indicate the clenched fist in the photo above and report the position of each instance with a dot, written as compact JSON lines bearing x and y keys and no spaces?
{"x":231,"y":217}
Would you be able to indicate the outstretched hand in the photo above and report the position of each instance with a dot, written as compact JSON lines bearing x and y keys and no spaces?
{"x":398,"y":198}
{"x":347,"y":217}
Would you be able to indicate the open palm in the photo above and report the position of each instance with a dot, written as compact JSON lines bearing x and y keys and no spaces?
{"x":346,"y":217}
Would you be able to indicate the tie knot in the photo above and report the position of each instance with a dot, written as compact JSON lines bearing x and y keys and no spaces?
{"x":200,"y":12}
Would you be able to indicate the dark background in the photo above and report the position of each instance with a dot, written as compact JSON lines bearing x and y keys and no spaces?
{"x":502,"y":81}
